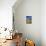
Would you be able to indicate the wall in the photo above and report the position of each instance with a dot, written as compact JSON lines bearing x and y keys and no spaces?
{"x":43,"y":22}
{"x":29,"y":8}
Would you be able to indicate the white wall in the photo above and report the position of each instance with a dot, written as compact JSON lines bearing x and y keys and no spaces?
{"x":29,"y":8}
{"x":43,"y":22}
{"x":6,"y":13}
{"x":38,"y":20}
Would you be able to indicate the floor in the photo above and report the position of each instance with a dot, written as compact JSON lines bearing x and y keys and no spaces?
{"x":9,"y":43}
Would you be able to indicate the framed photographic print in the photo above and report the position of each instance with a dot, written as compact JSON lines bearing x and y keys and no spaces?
{"x":28,"y":19}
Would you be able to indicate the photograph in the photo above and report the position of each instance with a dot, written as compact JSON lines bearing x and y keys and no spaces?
{"x":28,"y":19}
